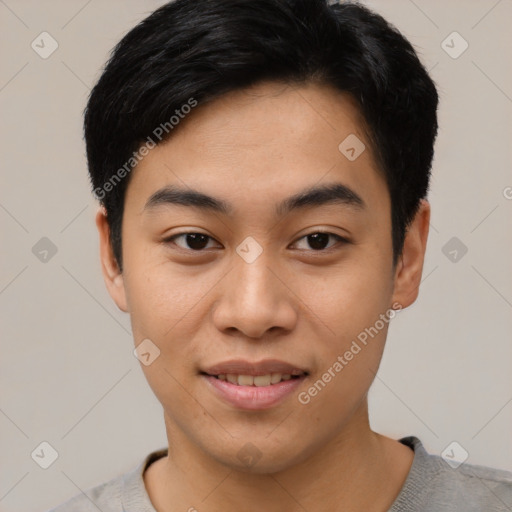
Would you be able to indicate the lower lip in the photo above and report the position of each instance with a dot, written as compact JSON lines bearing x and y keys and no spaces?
{"x":253,"y":398}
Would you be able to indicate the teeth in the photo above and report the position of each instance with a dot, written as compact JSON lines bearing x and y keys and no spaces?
{"x":275,"y":378}
{"x":262,"y":380}
{"x":245,"y":380}
{"x":259,"y":380}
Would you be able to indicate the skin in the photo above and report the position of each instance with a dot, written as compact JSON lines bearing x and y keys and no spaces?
{"x":254,"y":148}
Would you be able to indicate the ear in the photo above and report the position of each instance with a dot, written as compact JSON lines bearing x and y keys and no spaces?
{"x":112,"y":276}
{"x":410,"y":264}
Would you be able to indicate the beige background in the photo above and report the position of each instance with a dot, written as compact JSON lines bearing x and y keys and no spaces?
{"x":68,"y":375}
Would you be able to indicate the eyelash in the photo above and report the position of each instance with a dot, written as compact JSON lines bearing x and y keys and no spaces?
{"x":340,"y":239}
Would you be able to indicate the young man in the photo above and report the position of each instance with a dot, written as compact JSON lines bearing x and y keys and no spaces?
{"x":262,"y":168}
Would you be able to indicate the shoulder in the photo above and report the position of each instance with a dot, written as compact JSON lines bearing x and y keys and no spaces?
{"x":435,"y":485}
{"x":123,"y":493}
{"x":106,"y":497}
{"x":484,"y":488}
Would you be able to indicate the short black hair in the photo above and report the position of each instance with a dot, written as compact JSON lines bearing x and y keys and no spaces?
{"x":189,"y":52}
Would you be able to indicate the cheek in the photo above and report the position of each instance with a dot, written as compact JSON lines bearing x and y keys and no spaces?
{"x":171,"y":390}
{"x":351,"y":307}
{"x":165,"y":310}
{"x":163,"y":299}
{"x":168,"y":308}
{"x":349,"y":298}
{"x":348,"y":368}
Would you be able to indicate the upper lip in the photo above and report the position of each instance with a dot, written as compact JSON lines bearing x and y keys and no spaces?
{"x":242,"y":367}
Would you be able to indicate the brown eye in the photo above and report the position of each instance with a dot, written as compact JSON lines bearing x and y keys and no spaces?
{"x":192,"y":241}
{"x":319,"y":241}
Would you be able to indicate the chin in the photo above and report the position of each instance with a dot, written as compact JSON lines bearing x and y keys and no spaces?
{"x":260,"y":457}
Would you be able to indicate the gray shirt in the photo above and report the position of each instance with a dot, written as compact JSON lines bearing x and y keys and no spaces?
{"x":431,"y":486}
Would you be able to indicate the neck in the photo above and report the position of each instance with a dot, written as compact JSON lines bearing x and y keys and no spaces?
{"x":356,"y":470}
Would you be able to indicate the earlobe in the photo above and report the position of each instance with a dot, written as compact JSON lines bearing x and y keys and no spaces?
{"x":112,"y":276}
{"x":410,"y":264}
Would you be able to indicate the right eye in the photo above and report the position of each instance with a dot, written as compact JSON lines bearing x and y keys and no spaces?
{"x":190,"y":241}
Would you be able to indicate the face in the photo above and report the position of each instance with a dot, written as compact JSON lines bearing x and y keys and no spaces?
{"x":264,"y":279}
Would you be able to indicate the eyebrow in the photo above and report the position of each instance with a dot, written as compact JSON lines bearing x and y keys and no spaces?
{"x":334,"y":193}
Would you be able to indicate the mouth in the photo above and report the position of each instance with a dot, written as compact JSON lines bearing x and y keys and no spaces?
{"x":254,"y":385}
{"x":269,"y":379}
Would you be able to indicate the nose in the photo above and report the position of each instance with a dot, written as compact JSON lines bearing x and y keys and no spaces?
{"x":255,"y":298}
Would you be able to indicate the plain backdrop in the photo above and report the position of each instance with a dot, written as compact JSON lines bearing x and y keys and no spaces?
{"x":68,"y":374}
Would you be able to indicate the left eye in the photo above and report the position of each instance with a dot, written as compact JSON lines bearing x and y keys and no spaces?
{"x":319,"y":241}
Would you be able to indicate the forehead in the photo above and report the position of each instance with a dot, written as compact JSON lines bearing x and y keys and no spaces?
{"x":262,"y":143}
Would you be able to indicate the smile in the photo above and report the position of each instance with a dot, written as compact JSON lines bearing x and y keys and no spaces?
{"x":257,"y":380}
{"x":254,"y":392}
